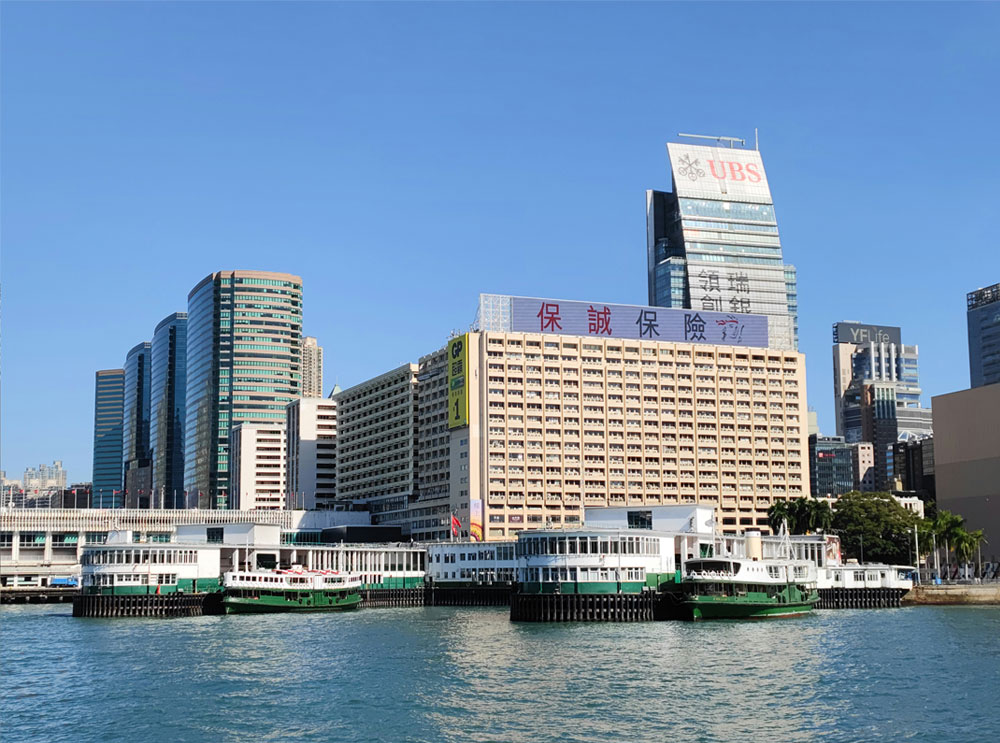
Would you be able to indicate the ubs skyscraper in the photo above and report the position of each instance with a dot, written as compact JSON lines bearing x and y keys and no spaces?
{"x":712,"y":243}
{"x":244,"y":365}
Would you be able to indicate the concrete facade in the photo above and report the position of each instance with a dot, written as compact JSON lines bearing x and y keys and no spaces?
{"x":376,"y":435}
{"x":311,"y":425}
{"x":863,"y":462}
{"x":967,"y":458}
{"x":257,"y":471}
{"x":560,"y":423}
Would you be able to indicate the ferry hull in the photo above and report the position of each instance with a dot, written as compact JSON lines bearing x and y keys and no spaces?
{"x":700,"y":610}
{"x":271,"y":605}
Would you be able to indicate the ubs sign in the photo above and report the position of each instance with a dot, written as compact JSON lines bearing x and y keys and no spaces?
{"x":718,"y":173}
{"x":858,"y":334}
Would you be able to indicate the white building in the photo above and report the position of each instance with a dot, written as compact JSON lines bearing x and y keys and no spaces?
{"x":257,"y":466}
{"x":312,"y":451}
{"x":312,"y":368}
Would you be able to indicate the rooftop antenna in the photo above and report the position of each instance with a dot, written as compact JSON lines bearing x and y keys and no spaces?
{"x":756,"y":140}
{"x":731,"y":140}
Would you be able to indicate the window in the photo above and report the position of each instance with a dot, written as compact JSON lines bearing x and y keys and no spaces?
{"x":214,"y":535}
{"x":640,"y":519}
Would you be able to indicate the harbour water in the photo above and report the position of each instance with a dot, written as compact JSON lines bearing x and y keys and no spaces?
{"x":448,"y":674}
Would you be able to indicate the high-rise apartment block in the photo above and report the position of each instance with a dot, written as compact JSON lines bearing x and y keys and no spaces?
{"x":984,"y":335}
{"x":167,"y":380}
{"x":244,"y":359}
{"x":551,"y":406}
{"x":712,"y":243}
{"x":430,"y":513}
{"x":376,"y":435}
{"x":831,"y":466}
{"x":311,"y":425}
{"x":137,"y":466}
{"x":312,"y":368}
{"x":876,"y":389}
{"x":257,"y":471}
{"x":108,"y":409}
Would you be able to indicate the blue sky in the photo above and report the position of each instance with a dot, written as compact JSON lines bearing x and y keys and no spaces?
{"x":403,"y":158}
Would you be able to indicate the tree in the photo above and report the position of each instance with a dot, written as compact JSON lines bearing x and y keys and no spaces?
{"x":822,"y":515}
{"x":876,"y":522}
{"x":949,"y":528}
{"x":777,"y":515}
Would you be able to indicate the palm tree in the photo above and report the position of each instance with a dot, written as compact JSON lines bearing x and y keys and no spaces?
{"x":948,"y":527}
{"x":800,"y":514}
{"x":978,"y":540}
{"x":966,"y":544}
{"x":822,"y":515}
{"x":777,"y":515}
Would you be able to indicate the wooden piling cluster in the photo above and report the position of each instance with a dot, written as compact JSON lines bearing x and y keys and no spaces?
{"x":575,"y":607}
{"x":859,"y":598}
{"x":141,"y":605}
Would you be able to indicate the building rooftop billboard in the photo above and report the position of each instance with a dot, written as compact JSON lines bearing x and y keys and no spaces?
{"x":859,"y":333}
{"x":719,"y":173}
{"x":636,"y":322}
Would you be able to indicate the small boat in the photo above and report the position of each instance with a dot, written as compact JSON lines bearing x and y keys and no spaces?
{"x":297,"y":589}
{"x":737,"y":588}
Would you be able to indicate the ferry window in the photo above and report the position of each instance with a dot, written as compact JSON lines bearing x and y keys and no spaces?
{"x":604,"y":546}
{"x":571,"y":546}
{"x":213,"y":535}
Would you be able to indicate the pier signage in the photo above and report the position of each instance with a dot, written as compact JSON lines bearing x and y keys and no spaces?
{"x":636,"y":322}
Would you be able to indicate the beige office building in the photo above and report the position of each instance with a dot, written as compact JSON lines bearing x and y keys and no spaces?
{"x":257,"y":467}
{"x":560,"y":422}
{"x":967,"y":458}
{"x":508,"y":429}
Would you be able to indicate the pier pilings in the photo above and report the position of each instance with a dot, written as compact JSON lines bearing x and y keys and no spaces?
{"x":575,"y":607}
{"x":860,"y":598}
{"x":140,"y":605}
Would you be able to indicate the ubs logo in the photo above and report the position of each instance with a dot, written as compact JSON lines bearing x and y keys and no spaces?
{"x":721,"y":169}
{"x":689,"y":168}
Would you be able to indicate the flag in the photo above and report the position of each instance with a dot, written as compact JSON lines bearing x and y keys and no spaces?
{"x":455,"y":525}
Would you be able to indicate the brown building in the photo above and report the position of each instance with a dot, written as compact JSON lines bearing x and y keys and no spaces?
{"x":967,"y":458}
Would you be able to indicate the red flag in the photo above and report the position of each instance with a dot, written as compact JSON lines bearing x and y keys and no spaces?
{"x":455,"y":525}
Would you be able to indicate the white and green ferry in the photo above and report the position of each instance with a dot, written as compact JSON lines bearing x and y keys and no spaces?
{"x":741,"y":588}
{"x":297,"y":589}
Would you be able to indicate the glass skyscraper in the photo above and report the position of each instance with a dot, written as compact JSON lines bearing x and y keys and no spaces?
{"x":712,"y":243}
{"x":135,"y":428}
{"x":107,"y":476}
{"x":984,"y":335}
{"x":244,"y":359}
{"x":167,"y":378}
